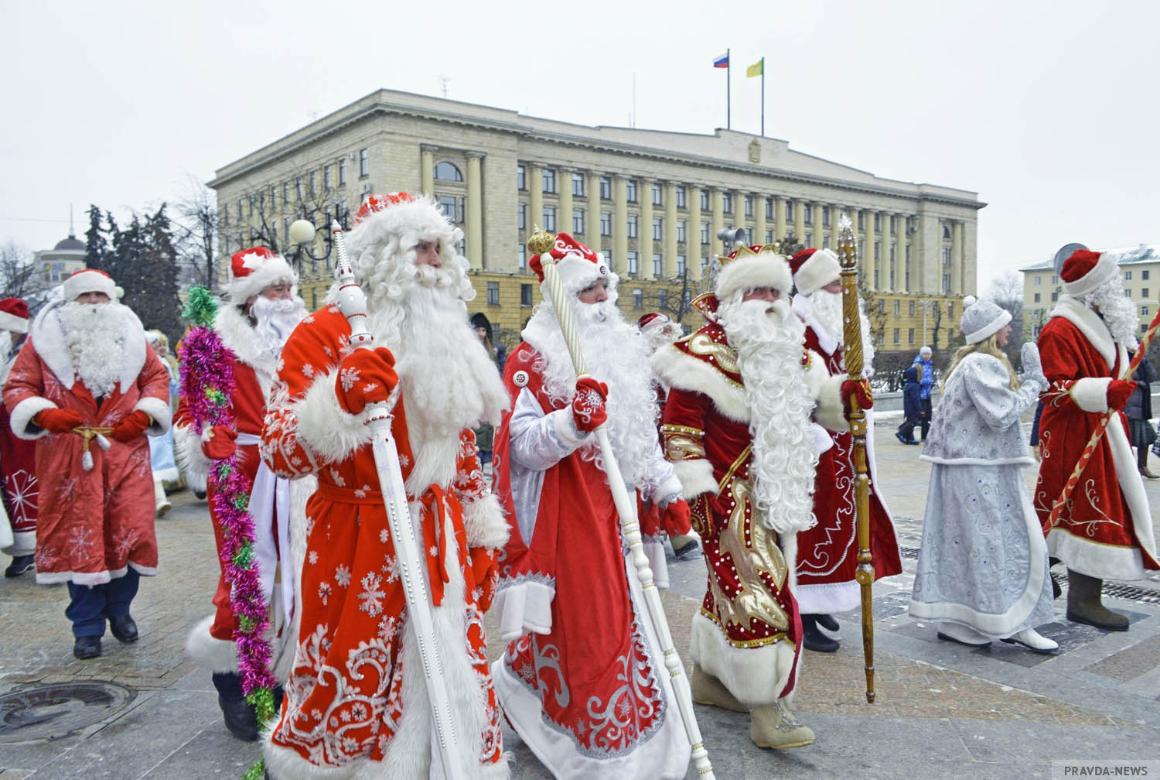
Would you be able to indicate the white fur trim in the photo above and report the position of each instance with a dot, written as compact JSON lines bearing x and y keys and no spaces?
{"x":21,"y":418}
{"x":48,"y":340}
{"x":576,"y":273}
{"x":676,"y":369}
{"x":209,"y":652}
{"x":524,"y":607}
{"x":485,"y":522}
{"x":86,"y":281}
{"x":1092,"y":327}
{"x":696,"y":477}
{"x":324,"y":426}
{"x":1091,"y":393}
{"x":190,"y":457}
{"x":160,"y":415}
{"x":1106,"y":267}
{"x":13,"y":323}
{"x":270,"y":271}
{"x":819,"y":269}
{"x":669,"y":486}
{"x":827,"y":390}
{"x":755,"y":676}
{"x":564,"y":424}
{"x":990,"y":329}
{"x":23,"y":543}
{"x":828,"y":598}
{"x":238,"y":335}
{"x":765,"y":269}
{"x":789,"y":549}
{"x":803,"y":307}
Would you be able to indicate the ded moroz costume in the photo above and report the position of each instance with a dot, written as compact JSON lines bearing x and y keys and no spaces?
{"x":17,"y":455}
{"x":356,"y":704}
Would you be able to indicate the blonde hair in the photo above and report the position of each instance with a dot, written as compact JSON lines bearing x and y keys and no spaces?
{"x":988,"y":346}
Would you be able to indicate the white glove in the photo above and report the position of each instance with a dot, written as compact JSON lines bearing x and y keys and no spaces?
{"x":1032,"y":366}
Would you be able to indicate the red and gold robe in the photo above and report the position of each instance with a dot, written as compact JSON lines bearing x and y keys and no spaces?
{"x":17,"y":481}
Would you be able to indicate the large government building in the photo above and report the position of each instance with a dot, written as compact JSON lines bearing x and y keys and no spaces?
{"x":652,"y":201}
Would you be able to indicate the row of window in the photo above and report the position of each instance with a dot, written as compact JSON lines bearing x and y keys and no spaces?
{"x":910,"y":334}
{"x":493,"y":297}
{"x":330,"y":175}
{"x":1145,"y":275}
{"x":911,"y":308}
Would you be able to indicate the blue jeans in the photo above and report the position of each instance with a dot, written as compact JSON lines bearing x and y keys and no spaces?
{"x":89,"y":607}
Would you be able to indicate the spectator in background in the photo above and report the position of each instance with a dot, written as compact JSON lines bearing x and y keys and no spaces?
{"x":1139,"y":412}
{"x":912,"y":410}
{"x":161,"y":456}
{"x":923,"y":362}
{"x":484,"y":434}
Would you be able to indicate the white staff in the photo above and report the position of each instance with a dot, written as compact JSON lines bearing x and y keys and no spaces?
{"x":540,"y":244}
{"x":352,"y":302}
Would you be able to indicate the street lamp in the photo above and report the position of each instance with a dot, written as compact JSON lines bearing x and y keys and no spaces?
{"x":303,"y":235}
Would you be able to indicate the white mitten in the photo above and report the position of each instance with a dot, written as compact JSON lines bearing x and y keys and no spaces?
{"x":1032,"y":367}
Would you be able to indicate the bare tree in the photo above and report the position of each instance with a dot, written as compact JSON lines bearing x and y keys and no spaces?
{"x":1007,"y":291}
{"x":196,"y":235}
{"x":17,"y":272}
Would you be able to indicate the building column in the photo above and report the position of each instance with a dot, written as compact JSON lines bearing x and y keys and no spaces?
{"x":717,"y":204}
{"x":669,"y":252}
{"x":873,"y":264}
{"x":592,"y":214}
{"x":474,"y":210}
{"x":427,"y":170}
{"x":799,"y":221}
{"x":866,"y":255}
{"x":970,"y":257}
{"x":644,"y":238}
{"x":564,"y":213}
{"x":694,"y":250}
{"x":758,"y":217}
{"x":900,"y":240}
{"x":957,"y":285}
{"x":778,"y":218}
{"x":535,"y":197}
{"x":619,"y":224}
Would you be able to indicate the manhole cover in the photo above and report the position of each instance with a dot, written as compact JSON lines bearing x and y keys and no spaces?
{"x":53,"y":711}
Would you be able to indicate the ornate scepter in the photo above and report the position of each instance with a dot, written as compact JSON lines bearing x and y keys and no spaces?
{"x":540,"y":243}
{"x":1100,"y":429}
{"x":352,"y":302}
{"x":853,"y":357}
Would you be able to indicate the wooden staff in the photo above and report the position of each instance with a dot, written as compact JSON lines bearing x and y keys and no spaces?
{"x":540,"y":243}
{"x":1100,"y":429}
{"x":852,"y":354}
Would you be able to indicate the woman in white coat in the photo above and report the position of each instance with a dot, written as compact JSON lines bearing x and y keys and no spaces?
{"x":982,"y":569}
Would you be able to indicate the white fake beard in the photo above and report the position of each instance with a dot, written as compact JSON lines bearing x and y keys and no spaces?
{"x":95,"y":336}
{"x":661,"y":337}
{"x":1117,"y":310}
{"x":768,"y":340}
{"x":276,"y":320}
{"x":827,"y":310}
{"x":617,"y":354}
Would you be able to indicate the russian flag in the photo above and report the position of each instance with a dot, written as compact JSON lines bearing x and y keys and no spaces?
{"x":722,"y":61}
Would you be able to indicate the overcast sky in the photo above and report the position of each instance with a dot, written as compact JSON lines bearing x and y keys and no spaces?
{"x":1047,"y":109}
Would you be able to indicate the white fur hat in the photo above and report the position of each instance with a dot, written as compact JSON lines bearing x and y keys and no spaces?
{"x":88,"y":280}
{"x":753,"y":266}
{"x":253,"y":270}
{"x":982,"y":319}
{"x":813,"y":269}
{"x":576,"y":264}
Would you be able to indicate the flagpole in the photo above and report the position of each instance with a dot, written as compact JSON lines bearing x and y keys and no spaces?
{"x":728,"y":94}
{"x":763,"y":97}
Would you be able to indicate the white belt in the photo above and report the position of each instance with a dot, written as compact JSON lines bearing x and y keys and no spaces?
{"x":270,"y":503}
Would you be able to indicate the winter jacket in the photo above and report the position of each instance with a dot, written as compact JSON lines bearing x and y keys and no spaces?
{"x":911,"y":394}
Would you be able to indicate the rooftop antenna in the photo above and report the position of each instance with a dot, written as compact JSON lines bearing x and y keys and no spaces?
{"x":443,"y":81}
{"x":632,"y":117}
{"x":71,"y":228}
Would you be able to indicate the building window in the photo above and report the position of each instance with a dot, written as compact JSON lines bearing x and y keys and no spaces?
{"x":1127,"y":276}
{"x":633,"y":262}
{"x":682,"y":196}
{"x":657,"y":265}
{"x":769,"y":236}
{"x":325,"y":180}
{"x":896,"y":335}
{"x":789,"y":210}
{"x":768,"y":207}
{"x":877,"y":222}
{"x":286,"y":193}
{"x":633,"y":227}
{"x":1143,"y":311}
{"x":445,"y":171}
{"x":910,"y":336}
{"x":881,"y":305}
{"x":910,"y":308}
{"x":1143,"y":292}
{"x":658,"y":197}
{"x":662,"y":299}
{"x":605,"y":223}
{"x":681,"y":231}
{"x":861,"y":221}
{"x":630,"y":189}
{"x":447,"y":205}
{"x":637,"y":298}
{"x":521,"y":178}
{"x":946,"y":284}
{"x":877,"y":251}
{"x":341,"y":175}
{"x":893,"y":223}
{"x":549,"y":179}
{"x":808,"y":214}
{"x":525,"y":295}
{"x":578,"y":185}
{"x":550,"y":219}
{"x":1037,"y":297}
{"x":522,"y":216}
{"x":522,"y":253}
{"x":606,"y":188}
{"x":898,"y":308}
{"x":951,"y":309}
{"x":946,"y":232}
{"x":364,"y":163}
{"x":1055,"y":296}
{"x":825,"y":216}
{"x":681,"y":265}
{"x":1038,"y":281}
{"x":748,"y":205}
{"x":297,"y":194}
{"x":493,"y":293}
{"x":704,"y":232}
{"x":727,"y":202}
{"x":1144,"y":275}
{"x":578,"y":221}
{"x":658,"y":227}
{"x":704,"y":200}
{"x":313,"y":182}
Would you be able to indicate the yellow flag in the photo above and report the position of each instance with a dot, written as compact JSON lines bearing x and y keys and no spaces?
{"x":756,"y":69}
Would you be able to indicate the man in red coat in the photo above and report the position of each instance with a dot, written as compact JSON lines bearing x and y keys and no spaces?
{"x":260,"y":310}
{"x":743,"y":427}
{"x":356,"y":703}
{"x":583,"y":681}
{"x":88,"y":388}
{"x":1105,"y":530}
{"x":828,"y":552}
{"x":17,"y":456}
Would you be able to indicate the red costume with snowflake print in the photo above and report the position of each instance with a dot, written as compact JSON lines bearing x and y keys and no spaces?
{"x":355,"y":698}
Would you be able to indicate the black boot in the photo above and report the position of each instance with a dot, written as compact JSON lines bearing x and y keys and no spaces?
{"x":239,"y":716}
{"x":19,"y":565}
{"x":86,"y":647}
{"x":814,"y":638}
{"x":1084,"y":604}
{"x":828,"y":622}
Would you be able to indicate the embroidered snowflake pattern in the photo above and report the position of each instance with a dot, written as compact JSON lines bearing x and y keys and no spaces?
{"x":312,"y":557}
{"x":391,"y":569}
{"x":384,"y":536}
{"x":80,"y":541}
{"x":388,"y":628}
{"x":22,"y":493}
{"x":337,"y":477}
{"x":362,"y":492}
{"x":342,"y":575}
{"x":404,"y":460}
{"x":308,"y":371}
{"x":372,"y":594}
{"x":347,"y":377}
{"x":324,"y":591}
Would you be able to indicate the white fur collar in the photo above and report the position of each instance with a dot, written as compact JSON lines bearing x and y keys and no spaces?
{"x":803,"y":307}
{"x":1092,"y":327}
{"x":238,"y":334}
{"x":48,"y":340}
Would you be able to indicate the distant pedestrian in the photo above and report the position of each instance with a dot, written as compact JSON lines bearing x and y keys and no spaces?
{"x":924,"y":363}
{"x":485,"y":433}
{"x":912,"y":413}
{"x":1139,"y":412}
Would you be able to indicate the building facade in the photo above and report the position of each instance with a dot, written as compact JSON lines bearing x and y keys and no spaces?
{"x":652,"y":201}
{"x":55,"y":265}
{"x":1140,"y":267}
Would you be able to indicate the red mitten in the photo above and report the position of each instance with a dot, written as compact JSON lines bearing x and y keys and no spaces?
{"x":588,"y":404}
{"x":59,"y":420}
{"x":221,"y":443}
{"x":365,"y":376}
{"x":1119,"y":391}
{"x":859,"y":390}
{"x":131,"y":426}
{"x":675,"y":519}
